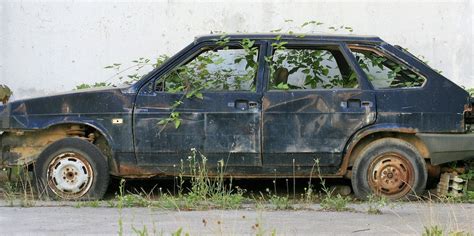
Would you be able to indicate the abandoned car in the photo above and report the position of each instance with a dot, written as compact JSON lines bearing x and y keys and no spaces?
{"x":265,"y":105}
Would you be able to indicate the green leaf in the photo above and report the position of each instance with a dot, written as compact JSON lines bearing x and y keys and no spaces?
{"x":283,"y":86}
{"x":199,"y":95}
{"x":250,"y":43}
{"x":268,"y":58}
{"x":190,"y":94}
{"x":325,"y":71}
{"x":174,"y":115}
{"x":219,"y":61}
{"x":177,"y":123}
{"x":178,"y":232}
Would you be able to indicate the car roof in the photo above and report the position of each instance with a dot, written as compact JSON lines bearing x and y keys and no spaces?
{"x":295,"y":36}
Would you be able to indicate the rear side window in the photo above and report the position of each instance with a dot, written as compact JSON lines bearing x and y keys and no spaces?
{"x":310,"y":68}
{"x":385,"y":73}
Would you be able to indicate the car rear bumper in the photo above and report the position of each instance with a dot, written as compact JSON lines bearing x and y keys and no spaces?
{"x":445,"y":148}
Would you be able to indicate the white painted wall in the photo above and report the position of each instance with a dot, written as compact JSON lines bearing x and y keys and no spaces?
{"x":51,"y":46}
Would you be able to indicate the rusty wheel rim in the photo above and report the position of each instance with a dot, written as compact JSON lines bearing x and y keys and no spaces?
{"x":70,"y":175}
{"x":391,"y":175}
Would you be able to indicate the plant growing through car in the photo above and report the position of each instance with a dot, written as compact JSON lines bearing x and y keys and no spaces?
{"x":192,"y":77}
{"x":201,"y":74}
{"x":313,"y":78}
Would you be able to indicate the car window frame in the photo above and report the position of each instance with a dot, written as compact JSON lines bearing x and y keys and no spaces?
{"x":292,"y":44}
{"x":380,"y":51}
{"x":197,"y":50}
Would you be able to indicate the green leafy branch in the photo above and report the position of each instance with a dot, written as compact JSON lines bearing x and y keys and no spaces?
{"x":194,"y":77}
{"x":174,"y":116}
{"x":137,"y":66}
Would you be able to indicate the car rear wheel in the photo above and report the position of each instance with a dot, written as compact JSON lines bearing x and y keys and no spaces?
{"x":389,"y":167}
{"x":72,"y":169}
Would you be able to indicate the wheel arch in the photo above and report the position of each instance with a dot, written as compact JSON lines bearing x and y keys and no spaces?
{"x":365,"y":136}
{"x":26,"y":145}
{"x":97,"y":127}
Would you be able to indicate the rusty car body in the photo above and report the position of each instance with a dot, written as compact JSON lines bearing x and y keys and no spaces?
{"x":386,"y":139}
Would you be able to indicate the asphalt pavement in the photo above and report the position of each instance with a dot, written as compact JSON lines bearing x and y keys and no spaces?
{"x":397,"y":218}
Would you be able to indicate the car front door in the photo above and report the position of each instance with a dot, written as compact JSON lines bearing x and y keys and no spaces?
{"x":208,"y":102}
{"x":313,"y":104}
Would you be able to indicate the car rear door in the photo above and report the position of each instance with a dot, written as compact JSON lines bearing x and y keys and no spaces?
{"x":313,"y":103}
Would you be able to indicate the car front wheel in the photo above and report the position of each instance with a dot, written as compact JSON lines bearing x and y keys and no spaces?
{"x":72,"y":169}
{"x":389,"y":167}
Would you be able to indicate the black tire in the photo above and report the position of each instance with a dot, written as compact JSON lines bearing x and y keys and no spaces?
{"x":71,"y":169}
{"x":389,"y":167}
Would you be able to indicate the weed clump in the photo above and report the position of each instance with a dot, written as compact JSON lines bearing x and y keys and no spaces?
{"x":18,"y":186}
{"x":280,"y":202}
{"x":205,"y":191}
{"x":209,"y":191}
{"x":330,"y":201}
{"x":374,"y":203}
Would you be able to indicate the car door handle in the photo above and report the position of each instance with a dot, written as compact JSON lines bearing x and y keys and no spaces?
{"x":357,"y":103}
{"x":366,"y":104}
{"x":244,"y":105}
{"x":353,"y":103}
{"x":252,"y":105}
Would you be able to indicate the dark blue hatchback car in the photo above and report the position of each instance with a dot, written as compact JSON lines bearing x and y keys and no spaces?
{"x":266,"y":105}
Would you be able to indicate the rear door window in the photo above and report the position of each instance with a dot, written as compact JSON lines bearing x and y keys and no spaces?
{"x":310,"y":68}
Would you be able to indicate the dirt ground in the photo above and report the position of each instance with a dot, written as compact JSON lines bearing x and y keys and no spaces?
{"x":53,"y":218}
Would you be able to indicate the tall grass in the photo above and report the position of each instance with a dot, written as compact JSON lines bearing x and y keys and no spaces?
{"x":18,"y":188}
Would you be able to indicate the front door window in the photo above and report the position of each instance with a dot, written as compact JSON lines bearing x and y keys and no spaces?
{"x":222,"y":69}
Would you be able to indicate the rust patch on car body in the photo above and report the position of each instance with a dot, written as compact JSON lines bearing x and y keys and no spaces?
{"x":22,"y":147}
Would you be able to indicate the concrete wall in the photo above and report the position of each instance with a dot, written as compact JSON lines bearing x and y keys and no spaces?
{"x":51,"y":46}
